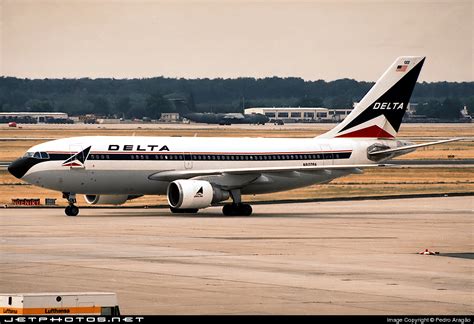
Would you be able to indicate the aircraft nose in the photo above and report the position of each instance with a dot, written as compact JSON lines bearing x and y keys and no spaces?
{"x":19,"y":167}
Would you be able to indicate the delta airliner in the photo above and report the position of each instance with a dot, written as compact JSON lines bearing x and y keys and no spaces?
{"x":196,"y":173}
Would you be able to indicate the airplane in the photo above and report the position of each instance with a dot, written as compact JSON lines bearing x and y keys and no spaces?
{"x":196,"y":173}
{"x":226,"y":118}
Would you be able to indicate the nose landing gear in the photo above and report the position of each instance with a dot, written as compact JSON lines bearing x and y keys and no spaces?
{"x":71,"y":209}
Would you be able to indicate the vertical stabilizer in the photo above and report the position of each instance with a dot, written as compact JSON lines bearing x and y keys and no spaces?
{"x":379,"y":114}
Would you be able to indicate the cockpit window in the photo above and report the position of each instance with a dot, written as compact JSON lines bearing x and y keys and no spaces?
{"x":37,"y":155}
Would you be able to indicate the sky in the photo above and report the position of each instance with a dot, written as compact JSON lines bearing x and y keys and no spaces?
{"x":311,"y":39}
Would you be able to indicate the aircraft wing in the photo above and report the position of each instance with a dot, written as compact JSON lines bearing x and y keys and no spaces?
{"x":171,"y":175}
{"x":410,"y":147}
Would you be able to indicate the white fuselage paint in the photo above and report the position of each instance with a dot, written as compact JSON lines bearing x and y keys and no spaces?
{"x":102,"y":175}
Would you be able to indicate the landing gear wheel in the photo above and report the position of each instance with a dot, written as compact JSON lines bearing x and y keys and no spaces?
{"x":237,"y":210}
{"x":246,"y":209}
{"x":184,"y":211}
{"x":71,"y":210}
{"x":227,"y":210}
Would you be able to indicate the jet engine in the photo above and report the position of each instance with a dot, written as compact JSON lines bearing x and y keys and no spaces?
{"x":107,"y":199}
{"x":194,"y":194}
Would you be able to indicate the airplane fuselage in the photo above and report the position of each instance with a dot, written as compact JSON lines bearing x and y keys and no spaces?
{"x":122,"y":165}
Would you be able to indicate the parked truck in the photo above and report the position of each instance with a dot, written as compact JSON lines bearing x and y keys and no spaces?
{"x":90,"y":303}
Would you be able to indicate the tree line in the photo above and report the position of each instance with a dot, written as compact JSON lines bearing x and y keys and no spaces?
{"x":136,"y":98}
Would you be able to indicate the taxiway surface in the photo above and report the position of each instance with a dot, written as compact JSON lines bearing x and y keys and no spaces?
{"x":347,"y":257}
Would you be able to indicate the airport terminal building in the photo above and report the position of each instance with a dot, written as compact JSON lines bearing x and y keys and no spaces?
{"x":301,"y":114}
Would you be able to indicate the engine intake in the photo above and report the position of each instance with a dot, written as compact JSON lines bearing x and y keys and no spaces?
{"x":190,"y":194}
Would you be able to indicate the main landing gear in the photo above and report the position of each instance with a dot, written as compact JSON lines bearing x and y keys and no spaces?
{"x":71,"y":209}
{"x":237,"y":207}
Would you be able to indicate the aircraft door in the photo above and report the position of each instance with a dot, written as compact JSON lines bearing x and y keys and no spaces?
{"x":188,"y":161}
{"x":328,"y":158}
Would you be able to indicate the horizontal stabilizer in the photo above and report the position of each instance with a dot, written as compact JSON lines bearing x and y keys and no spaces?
{"x":411,"y":147}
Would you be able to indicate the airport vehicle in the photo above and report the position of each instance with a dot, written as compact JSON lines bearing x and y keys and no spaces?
{"x":60,"y":303}
{"x":196,"y":172}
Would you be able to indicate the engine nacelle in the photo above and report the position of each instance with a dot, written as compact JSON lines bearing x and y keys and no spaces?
{"x":191,"y":194}
{"x":107,"y":199}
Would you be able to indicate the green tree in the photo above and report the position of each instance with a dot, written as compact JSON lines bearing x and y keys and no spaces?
{"x":450,"y":109}
{"x":309,"y":102}
{"x":430,"y":109}
{"x":100,"y":105}
{"x":156,"y":104}
{"x":191,"y":102}
{"x":123,"y":106}
{"x":341,"y":102}
{"x":469,"y":102}
{"x":38,"y":105}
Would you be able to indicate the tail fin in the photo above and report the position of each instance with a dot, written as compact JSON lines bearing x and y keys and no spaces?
{"x":379,"y":114}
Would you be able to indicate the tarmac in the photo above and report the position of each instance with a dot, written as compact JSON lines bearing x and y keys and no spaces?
{"x":335,"y":257}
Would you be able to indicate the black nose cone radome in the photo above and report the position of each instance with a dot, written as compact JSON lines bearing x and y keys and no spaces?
{"x":20,"y":166}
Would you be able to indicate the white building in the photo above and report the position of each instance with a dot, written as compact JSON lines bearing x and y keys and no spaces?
{"x":169,"y":117}
{"x":40,"y":117}
{"x":301,"y":114}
